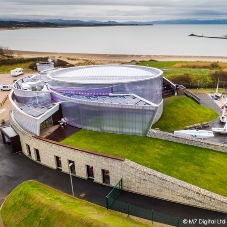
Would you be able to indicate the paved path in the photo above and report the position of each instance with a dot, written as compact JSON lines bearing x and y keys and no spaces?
{"x":15,"y":169}
{"x":209,"y":103}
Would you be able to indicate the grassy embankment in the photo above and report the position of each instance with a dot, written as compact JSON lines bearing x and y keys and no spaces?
{"x":33,"y":204}
{"x":179,"y":112}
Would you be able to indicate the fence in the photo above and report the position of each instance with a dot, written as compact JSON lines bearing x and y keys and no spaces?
{"x":4,"y":100}
{"x":151,"y":215}
{"x":114,"y":193}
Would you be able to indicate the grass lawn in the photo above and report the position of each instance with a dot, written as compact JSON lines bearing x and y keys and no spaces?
{"x":180,"y":111}
{"x":201,"y":167}
{"x":33,"y":204}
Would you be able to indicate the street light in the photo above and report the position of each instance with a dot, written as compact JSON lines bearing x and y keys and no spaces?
{"x":71,"y":177}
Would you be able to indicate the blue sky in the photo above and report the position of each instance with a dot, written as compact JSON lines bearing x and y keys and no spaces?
{"x":118,"y":10}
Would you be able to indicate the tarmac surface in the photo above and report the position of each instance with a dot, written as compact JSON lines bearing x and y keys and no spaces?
{"x":209,"y":103}
{"x":17,"y":168}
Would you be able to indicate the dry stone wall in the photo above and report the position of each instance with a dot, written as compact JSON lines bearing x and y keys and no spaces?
{"x":136,"y":178}
{"x":187,"y":140}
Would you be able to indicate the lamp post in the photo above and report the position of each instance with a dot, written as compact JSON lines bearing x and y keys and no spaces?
{"x":71,"y":177}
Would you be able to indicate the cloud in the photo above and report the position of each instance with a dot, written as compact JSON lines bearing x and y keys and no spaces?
{"x":119,"y":10}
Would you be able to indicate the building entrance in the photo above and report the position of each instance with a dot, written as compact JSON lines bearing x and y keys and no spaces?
{"x":90,"y":172}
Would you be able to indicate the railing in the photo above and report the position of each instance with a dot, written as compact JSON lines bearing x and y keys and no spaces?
{"x":112,"y":196}
{"x":151,"y":215}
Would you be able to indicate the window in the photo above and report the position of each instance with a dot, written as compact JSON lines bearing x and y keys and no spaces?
{"x":58,"y":162}
{"x":37,"y":155}
{"x":106,"y":176}
{"x":28,"y":150}
{"x":90,"y":172}
{"x":72,"y":167}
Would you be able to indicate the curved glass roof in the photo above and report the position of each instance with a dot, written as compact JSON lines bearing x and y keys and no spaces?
{"x":105,"y":74}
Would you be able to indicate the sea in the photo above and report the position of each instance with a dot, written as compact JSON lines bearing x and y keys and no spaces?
{"x":126,"y":40}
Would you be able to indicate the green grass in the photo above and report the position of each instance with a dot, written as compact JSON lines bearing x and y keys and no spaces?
{"x":179,"y":112}
{"x":8,"y":68}
{"x":33,"y":204}
{"x":198,"y":166}
{"x":170,"y":72}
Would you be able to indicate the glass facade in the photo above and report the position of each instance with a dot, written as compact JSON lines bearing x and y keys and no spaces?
{"x":150,"y":90}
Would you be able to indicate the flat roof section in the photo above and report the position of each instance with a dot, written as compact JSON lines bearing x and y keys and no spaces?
{"x":105,"y":74}
{"x":9,"y":131}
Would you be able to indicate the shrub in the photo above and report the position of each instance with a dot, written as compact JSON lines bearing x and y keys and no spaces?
{"x":182,"y":79}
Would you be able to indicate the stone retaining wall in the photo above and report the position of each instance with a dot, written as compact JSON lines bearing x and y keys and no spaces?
{"x":187,"y":140}
{"x":191,"y":95}
{"x":136,"y":178}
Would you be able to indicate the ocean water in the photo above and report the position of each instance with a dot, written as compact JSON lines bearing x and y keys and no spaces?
{"x":141,"y":40}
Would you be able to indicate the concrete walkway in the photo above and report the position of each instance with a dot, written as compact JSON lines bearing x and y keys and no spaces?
{"x":15,"y":169}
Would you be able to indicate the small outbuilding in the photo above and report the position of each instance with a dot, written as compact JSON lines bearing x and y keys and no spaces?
{"x":11,"y":138}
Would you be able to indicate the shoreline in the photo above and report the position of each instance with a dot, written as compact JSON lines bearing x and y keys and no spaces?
{"x":81,"y":26}
{"x":119,"y":58}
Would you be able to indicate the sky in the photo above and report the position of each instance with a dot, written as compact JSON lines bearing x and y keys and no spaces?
{"x":114,"y":10}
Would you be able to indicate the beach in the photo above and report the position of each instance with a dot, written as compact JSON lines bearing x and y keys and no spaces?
{"x":118,"y":59}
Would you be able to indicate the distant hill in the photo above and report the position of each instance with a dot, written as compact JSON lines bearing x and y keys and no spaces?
{"x":190,"y":22}
{"x":60,"y":22}
{"x":95,"y":22}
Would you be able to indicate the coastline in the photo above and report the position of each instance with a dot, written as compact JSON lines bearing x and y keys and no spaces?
{"x":119,"y":58}
{"x":81,"y":26}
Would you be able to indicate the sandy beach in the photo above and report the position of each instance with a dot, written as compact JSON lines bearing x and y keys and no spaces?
{"x":118,"y":59}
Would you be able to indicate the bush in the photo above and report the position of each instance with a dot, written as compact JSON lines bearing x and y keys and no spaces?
{"x":2,"y":122}
{"x":5,"y":51}
{"x":221,"y":75}
{"x":182,"y":79}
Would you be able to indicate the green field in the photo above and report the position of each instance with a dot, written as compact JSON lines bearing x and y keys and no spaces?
{"x":201,"y":167}
{"x":169,"y":71}
{"x":33,"y":204}
{"x":180,"y":111}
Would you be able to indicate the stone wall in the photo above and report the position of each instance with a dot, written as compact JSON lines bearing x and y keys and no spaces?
{"x":136,"y":178}
{"x":187,"y":140}
{"x":191,"y":95}
{"x":139,"y":179}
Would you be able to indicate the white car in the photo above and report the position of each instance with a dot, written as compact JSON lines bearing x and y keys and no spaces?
{"x":5,"y":87}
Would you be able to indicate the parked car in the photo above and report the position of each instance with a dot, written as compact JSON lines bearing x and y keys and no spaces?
{"x":5,"y":87}
{"x":17,"y":72}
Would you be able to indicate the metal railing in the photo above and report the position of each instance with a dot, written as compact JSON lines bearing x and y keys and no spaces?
{"x":151,"y":215}
{"x":114,"y":193}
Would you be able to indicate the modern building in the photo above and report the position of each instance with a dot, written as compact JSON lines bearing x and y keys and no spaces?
{"x":115,"y":99}
{"x":111,"y":98}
